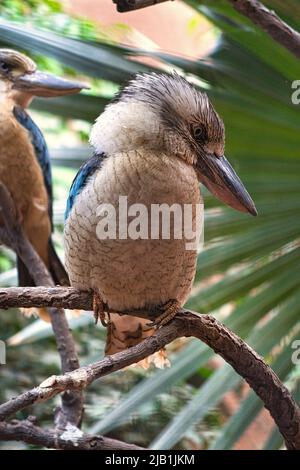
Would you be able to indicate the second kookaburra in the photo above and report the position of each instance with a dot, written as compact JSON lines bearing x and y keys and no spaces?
{"x":154,"y":143}
{"x":24,"y":158}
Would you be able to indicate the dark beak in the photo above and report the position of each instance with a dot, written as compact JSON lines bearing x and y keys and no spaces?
{"x":219,"y":177}
{"x":44,"y":84}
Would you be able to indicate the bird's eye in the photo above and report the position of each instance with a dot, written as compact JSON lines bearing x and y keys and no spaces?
{"x":5,"y":67}
{"x":199,"y":133}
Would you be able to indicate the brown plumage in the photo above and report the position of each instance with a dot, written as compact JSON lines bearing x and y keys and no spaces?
{"x":21,"y":168}
{"x":22,"y":175}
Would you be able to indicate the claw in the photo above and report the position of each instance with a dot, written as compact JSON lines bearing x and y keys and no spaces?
{"x":168,"y":312}
{"x":100,"y":309}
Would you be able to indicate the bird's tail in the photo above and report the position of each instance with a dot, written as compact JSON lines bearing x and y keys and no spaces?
{"x":125,"y":331}
{"x":56,"y":267}
{"x":57,"y":272}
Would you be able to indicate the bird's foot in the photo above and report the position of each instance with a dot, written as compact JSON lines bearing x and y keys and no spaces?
{"x":100,"y":309}
{"x":166,"y":313}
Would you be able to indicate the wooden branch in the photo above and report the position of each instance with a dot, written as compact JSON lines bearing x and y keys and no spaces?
{"x":130,"y":5}
{"x":270,"y":23}
{"x":233,"y":349}
{"x":59,"y":297}
{"x":70,"y":439}
{"x":13,"y":233}
{"x":71,"y":410}
{"x":82,"y":377}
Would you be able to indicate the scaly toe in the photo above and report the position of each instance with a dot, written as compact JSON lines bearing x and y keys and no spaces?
{"x":169,"y":311}
{"x":100,"y":309}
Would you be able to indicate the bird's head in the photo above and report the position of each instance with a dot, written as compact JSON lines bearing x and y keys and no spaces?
{"x":20,"y":79}
{"x":167,"y":112}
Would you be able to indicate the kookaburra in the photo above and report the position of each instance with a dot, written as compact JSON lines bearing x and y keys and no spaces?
{"x":153,"y":144}
{"x":24,"y":159}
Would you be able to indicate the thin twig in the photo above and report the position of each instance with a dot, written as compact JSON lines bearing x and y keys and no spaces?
{"x":70,"y":439}
{"x":233,"y":349}
{"x":270,"y":23}
{"x":13,"y":233}
{"x":130,"y":5}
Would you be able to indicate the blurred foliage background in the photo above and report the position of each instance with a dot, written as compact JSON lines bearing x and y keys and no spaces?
{"x":248,"y":274}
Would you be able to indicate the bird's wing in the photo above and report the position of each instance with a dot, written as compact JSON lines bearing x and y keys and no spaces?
{"x":55,"y":265}
{"x":41,"y":151}
{"x":81,"y":179}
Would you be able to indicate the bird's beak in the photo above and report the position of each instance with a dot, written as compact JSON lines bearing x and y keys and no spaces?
{"x":44,"y":84}
{"x":221,"y":180}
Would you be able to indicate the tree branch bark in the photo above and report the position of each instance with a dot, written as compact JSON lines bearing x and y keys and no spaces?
{"x":13,"y":235}
{"x":70,"y":439}
{"x":130,"y":5}
{"x":233,"y":349}
{"x":59,"y":297}
{"x":270,"y":23}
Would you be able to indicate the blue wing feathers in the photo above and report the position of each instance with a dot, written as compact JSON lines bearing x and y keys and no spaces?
{"x":56,"y":267}
{"x":81,"y":179}
{"x":41,"y":150}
